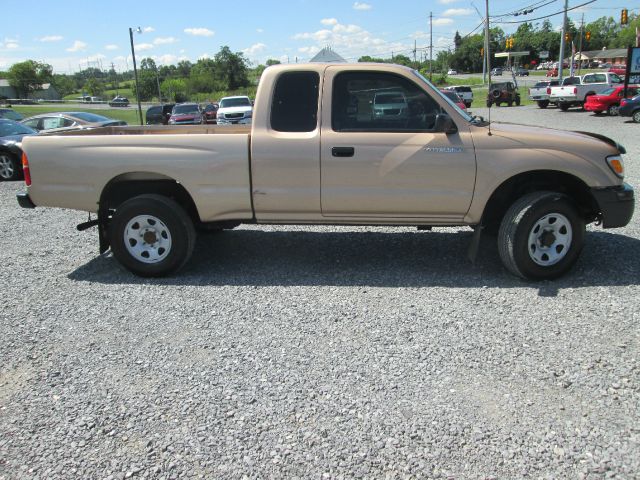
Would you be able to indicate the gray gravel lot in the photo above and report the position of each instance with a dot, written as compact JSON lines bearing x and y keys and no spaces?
{"x":296,"y":352}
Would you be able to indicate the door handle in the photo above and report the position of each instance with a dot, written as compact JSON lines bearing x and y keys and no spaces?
{"x":342,"y":151}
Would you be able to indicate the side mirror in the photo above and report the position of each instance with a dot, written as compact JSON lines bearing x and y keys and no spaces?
{"x":445,"y":124}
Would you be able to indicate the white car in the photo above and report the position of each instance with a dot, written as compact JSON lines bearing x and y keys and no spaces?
{"x":235,"y":110}
{"x":452,"y":72}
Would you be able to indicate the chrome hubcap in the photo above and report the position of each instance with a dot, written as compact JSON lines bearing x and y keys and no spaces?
{"x":6,"y":167}
{"x":613,"y":109}
{"x":550,"y":239}
{"x":147,"y":239}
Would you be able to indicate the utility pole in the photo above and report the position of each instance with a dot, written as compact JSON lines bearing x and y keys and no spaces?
{"x":564,"y":27}
{"x":430,"y":46}
{"x":414,"y":52}
{"x":580,"y":46}
{"x":487,"y":43}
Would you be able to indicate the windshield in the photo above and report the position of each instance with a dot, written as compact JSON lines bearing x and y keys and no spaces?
{"x":10,"y":114}
{"x":185,"y":109}
{"x":8,"y":127}
{"x":89,"y":117}
{"x":432,"y":88}
{"x":235,"y":102}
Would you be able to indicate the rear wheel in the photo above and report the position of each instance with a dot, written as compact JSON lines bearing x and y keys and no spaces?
{"x":510,"y":103}
{"x":612,"y":110}
{"x":9,"y":167}
{"x":543,"y":104}
{"x":151,"y":235}
{"x":636,"y":116}
{"x":517,"y":101}
{"x":541,"y":236}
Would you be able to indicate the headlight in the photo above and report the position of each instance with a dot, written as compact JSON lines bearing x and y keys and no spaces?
{"x":248,"y":114}
{"x":171,"y":120}
{"x":616,"y":164}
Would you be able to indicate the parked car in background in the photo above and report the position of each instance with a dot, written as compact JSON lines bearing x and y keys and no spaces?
{"x":553,"y":72}
{"x":210,"y":112}
{"x":235,"y":110}
{"x":522,"y":72}
{"x":451,"y":71}
{"x":619,"y":70}
{"x":119,"y":102}
{"x":630,"y":107}
{"x":11,"y":135}
{"x":390,"y":106}
{"x":454,"y":97}
{"x":186,"y":114}
{"x":464,"y":92}
{"x":496,"y":71}
{"x":503,"y":92}
{"x":10,"y":114}
{"x":609,"y":99}
{"x":70,"y":121}
{"x":159,"y":114}
{"x":590,"y":84}
{"x":541,"y":91}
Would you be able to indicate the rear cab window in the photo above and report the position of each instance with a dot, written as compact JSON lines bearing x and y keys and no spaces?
{"x":294,"y":106}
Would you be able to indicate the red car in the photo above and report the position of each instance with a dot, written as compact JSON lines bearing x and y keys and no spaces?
{"x":619,"y":70}
{"x":609,"y":100}
{"x":455,"y":98}
{"x":211,"y":113}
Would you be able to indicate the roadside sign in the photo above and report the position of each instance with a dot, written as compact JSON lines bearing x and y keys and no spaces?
{"x":544,"y":55}
{"x":633,"y":67}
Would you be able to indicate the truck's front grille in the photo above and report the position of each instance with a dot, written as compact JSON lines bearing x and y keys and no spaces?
{"x":234,"y":115}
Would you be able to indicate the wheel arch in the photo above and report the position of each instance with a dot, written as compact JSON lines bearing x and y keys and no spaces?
{"x":126,"y":186}
{"x":539,"y":180}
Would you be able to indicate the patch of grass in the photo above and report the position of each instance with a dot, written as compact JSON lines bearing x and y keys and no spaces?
{"x":129,"y":115}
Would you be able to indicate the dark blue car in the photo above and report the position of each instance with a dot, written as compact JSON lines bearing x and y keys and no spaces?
{"x":630,"y":107}
{"x":11,"y":134}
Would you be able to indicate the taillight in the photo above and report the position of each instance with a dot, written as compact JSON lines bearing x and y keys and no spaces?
{"x":623,"y":102}
{"x":575,"y":90}
{"x":548,"y":90}
{"x":25,"y":170}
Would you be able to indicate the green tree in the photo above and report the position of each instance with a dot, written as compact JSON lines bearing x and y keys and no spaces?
{"x":147,"y":79}
{"x":64,"y":84}
{"x":175,"y":89}
{"x":94,"y":87}
{"x":626,"y":37}
{"x":231,"y":69}
{"x":28,"y":76}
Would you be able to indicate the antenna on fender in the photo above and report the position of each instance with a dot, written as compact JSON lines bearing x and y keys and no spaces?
{"x":488,"y":58}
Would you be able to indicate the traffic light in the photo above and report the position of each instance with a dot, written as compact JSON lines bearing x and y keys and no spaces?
{"x":624,"y":17}
{"x":482,"y":52}
{"x":567,"y":37}
{"x":587,"y":35}
{"x":511,"y":42}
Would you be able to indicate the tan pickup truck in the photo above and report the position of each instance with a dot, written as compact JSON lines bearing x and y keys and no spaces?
{"x":339,"y":144}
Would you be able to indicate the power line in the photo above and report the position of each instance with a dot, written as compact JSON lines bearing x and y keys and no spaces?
{"x":547,"y":16}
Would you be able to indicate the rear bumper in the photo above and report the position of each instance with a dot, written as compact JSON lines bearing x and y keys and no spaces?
{"x":616,"y":204}
{"x":25,"y":201}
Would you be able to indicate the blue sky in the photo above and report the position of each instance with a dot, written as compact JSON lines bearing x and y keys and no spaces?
{"x":72,"y":34}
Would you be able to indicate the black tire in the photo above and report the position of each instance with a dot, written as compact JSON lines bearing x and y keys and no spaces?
{"x":497,"y":104}
{"x":175,"y":227}
{"x":543,"y":104}
{"x":566,"y":231}
{"x":636,"y":116}
{"x":510,"y":103}
{"x":488,"y":104}
{"x":517,"y":101}
{"x":10,"y":168}
{"x":563,"y":106}
{"x":612,"y":110}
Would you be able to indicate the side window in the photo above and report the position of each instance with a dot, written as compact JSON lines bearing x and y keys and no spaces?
{"x":52,"y":122}
{"x":295,"y":102}
{"x":615,"y":78}
{"x":379,"y":102}
{"x":33,"y":123}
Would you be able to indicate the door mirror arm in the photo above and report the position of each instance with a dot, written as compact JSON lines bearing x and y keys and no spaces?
{"x":444,"y":124}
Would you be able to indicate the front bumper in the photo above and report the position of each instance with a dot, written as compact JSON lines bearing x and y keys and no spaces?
{"x":616,"y":204}
{"x":234,"y":121}
{"x":24,"y":200}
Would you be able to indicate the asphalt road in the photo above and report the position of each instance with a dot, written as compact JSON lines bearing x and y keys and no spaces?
{"x":319,"y":352}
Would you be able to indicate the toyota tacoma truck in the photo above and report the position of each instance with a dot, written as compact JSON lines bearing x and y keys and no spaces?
{"x":316,"y":153}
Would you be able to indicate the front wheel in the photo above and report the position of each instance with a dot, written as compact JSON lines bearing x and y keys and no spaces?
{"x":612,"y":111}
{"x":9,"y":167}
{"x":151,"y":235}
{"x":636,"y":116}
{"x":517,"y":101}
{"x":541,"y":236}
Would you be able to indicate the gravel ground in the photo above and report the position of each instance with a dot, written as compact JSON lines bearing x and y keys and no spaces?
{"x":296,"y":352}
